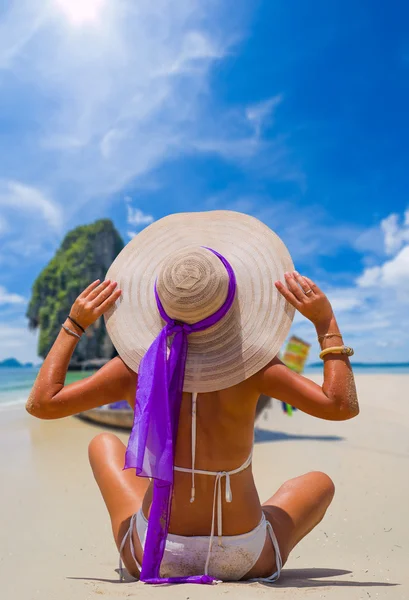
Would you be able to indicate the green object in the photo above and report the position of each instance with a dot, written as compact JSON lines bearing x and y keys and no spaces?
{"x":295,"y":356}
{"x":85,"y":254}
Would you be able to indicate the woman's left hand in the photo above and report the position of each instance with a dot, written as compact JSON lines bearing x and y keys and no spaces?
{"x":94,"y":301}
{"x":306,"y":297}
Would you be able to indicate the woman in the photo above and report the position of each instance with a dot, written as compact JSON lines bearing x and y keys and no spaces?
{"x":224,"y":286}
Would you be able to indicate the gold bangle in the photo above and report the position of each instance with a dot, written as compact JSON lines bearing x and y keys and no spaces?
{"x":328,"y":335}
{"x":337,"y":350}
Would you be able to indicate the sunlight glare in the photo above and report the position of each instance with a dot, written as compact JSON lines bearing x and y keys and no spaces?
{"x":81,"y":11}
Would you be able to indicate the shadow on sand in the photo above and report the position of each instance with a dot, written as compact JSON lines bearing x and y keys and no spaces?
{"x":316,"y":577}
{"x":266,"y":435}
{"x":290,"y":578}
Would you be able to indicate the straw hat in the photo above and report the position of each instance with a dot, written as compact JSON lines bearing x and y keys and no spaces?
{"x":192,"y":284}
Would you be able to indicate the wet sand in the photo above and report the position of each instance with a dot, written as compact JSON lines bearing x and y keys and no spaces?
{"x":55,"y":538}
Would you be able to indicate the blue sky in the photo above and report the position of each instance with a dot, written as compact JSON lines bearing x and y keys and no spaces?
{"x":294,"y":112}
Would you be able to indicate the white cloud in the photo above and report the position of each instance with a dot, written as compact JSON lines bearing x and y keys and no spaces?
{"x":343,"y":301}
{"x":372,"y":323}
{"x":370,"y":241}
{"x":374,"y":313}
{"x":395,"y":273}
{"x":236,"y":136}
{"x":17,"y":341}
{"x":395,"y":235}
{"x":136,"y":217}
{"x":32,"y":227}
{"x":233,"y":150}
{"x":10,"y":298}
{"x":392,"y":274}
{"x":370,"y":277}
{"x":26,"y":199}
{"x":196,"y":46}
{"x":261,"y":113}
{"x":386,"y":237}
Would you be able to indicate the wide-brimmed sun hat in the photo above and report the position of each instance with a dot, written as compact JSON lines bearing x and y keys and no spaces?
{"x":192,"y":283}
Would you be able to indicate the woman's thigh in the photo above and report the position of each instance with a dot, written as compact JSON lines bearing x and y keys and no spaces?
{"x":121,"y":490}
{"x":293,"y":511}
{"x":297,"y":507}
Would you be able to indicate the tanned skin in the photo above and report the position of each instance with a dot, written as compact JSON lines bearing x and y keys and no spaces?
{"x":225,"y":423}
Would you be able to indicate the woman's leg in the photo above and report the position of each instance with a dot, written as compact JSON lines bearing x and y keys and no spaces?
{"x":121,"y":490}
{"x":294,"y":510}
{"x":297,"y":507}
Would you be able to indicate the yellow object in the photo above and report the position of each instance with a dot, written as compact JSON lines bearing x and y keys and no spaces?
{"x":294,"y":357}
{"x":337,"y":350}
{"x":296,"y":353}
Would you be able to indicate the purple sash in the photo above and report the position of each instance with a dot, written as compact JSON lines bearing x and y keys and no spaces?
{"x":152,"y":441}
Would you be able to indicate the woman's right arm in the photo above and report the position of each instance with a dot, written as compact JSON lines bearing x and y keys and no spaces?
{"x":336,"y":400}
{"x":49,"y":397}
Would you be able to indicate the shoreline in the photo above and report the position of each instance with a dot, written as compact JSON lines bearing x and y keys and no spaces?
{"x":56,"y":538}
{"x":316,"y":374}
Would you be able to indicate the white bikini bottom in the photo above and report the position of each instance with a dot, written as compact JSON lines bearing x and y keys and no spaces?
{"x":232,"y":556}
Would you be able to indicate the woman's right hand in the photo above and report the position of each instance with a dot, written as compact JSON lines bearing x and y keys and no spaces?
{"x":315,"y":305}
{"x":94,"y":301}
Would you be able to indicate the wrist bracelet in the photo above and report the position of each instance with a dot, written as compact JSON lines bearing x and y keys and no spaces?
{"x":70,"y":331}
{"x":337,"y":350}
{"x":77,"y":324}
{"x":328,"y":335}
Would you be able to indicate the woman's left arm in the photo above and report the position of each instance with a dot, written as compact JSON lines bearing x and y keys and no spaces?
{"x":49,"y":398}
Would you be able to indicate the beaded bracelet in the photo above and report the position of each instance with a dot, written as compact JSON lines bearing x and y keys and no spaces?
{"x":70,"y":331}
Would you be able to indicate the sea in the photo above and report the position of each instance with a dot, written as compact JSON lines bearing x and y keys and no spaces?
{"x":16,"y":383}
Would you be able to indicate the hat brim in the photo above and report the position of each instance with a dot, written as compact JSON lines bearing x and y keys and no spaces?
{"x":253,"y":331}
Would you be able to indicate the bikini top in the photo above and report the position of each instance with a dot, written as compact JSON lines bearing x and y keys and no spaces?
{"x":219,"y":475}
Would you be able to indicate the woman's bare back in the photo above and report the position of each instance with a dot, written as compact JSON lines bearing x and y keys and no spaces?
{"x":224,"y":440}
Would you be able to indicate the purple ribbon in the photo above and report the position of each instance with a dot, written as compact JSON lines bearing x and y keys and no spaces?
{"x":153,"y":437}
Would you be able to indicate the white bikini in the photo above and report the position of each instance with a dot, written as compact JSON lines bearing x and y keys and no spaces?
{"x":229,"y":559}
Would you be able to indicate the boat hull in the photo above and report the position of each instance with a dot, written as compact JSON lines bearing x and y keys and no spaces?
{"x":122,"y":418}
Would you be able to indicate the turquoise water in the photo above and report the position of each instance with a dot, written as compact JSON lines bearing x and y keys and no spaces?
{"x":15,"y":384}
{"x":377,"y":369}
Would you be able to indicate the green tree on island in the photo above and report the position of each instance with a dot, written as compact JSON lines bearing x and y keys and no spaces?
{"x":85,"y":255}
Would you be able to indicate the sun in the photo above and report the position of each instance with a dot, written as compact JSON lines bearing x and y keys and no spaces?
{"x":81,"y":11}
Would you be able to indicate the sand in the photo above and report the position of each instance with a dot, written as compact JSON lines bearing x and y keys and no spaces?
{"x":55,"y":538}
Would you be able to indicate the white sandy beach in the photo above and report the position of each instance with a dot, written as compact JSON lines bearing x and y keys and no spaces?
{"x":56,"y":541}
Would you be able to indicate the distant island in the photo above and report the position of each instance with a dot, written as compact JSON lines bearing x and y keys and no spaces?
{"x":85,"y":254}
{"x":366,"y":365}
{"x":12,"y":363}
